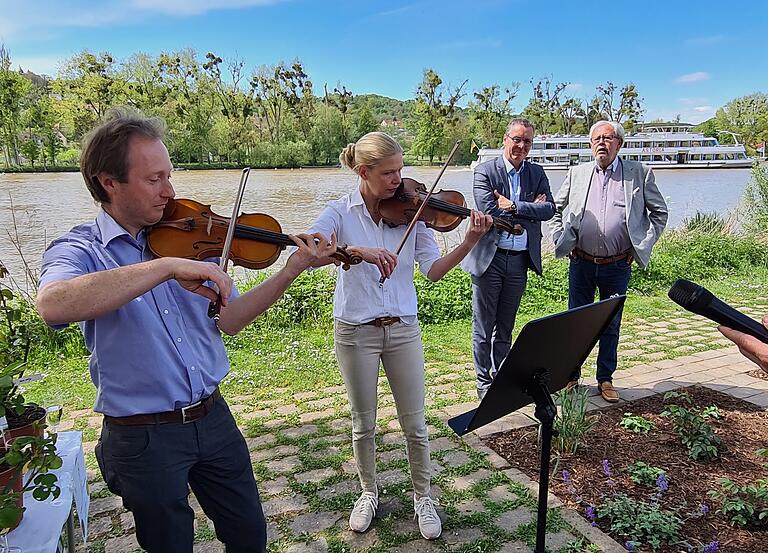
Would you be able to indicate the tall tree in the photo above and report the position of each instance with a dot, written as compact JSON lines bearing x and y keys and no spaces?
{"x":13,"y":91}
{"x":746,"y":116}
{"x":543,"y":109}
{"x":626,"y":107}
{"x":491,"y":111}
{"x":435,"y":109}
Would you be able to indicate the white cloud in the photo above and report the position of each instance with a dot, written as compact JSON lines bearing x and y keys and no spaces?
{"x":703,"y":109}
{"x":574,"y":86}
{"x":42,"y":65}
{"x":195,"y":7}
{"x":693,"y":77}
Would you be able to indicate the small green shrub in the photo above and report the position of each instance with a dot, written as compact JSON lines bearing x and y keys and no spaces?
{"x":636,"y":424}
{"x":644,"y":474}
{"x":572,"y":423}
{"x":756,"y":200}
{"x":743,"y":505}
{"x":691,"y":426}
{"x":641,"y":521}
{"x":705,"y":222}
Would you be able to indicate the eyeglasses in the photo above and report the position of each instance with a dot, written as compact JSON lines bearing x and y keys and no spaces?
{"x":520,"y":140}
{"x":603,"y":138}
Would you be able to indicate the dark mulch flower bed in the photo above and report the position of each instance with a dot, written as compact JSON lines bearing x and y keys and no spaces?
{"x":743,"y":429}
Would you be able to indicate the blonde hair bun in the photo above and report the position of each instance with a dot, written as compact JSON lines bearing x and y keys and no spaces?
{"x":371,"y":149}
{"x":347,"y":156}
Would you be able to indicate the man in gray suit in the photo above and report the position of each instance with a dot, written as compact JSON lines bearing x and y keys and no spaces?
{"x":511,"y":188}
{"x":609,"y":213}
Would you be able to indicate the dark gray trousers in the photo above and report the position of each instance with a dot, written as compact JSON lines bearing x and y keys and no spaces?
{"x":495,"y":299}
{"x":153,"y":466}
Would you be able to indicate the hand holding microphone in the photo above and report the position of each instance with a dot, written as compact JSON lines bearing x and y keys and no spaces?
{"x":749,"y":335}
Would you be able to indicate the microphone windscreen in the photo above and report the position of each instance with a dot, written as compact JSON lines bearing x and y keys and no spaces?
{"x":682,"y":292}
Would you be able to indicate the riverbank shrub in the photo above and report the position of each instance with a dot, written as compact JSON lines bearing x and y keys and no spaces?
{"x":756,"y":200}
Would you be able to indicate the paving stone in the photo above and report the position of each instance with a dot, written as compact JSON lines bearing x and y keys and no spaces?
{"x":340,"y":488}
{"x":501,"y":493}
{"x":396,"y":455}
{"x":470,"y":506}
{"x":286,"y":409}
{"x":349,"y":467}
{"x":316,"y":475}
{"x":462,"y":536}
{"x":338,"y":425}
{"x":105,"y":505}
{"x":273,"y":487}
{"x":559,"y":540}
{"x":455,"y":459}
{"x":99,"y":526}
{"x":317,"y":546}
{"x":298,"y":431}
{"x":441,"y":444}
{"x":262,"y":414}
{"x":285,"y":464}
{"x":282,"y":505}
{"x":127,"y":522}
{"x":418,"y":546}
{"x":359,"y":541}
{"x":391,"y":477}
{"x":273,"y":532}
{"x":393,"y":438}
{"x":312,"y":523}
{"x":405,"y":525}
{"x":462,"y":483}
{"x":512,"y":520}
{"x":387,"y":506}
{"x":514,"y":547}
{"x":303,"y":396}
{"x":123,"y":544}
{"x":212,"y":546}
{"x":335,"y":439}
{"x":260,"y":441}
{"x":320,"y":403}
{"x":316,"y":415}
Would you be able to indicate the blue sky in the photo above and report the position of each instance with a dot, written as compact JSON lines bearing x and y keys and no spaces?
{"x":687,"y":58}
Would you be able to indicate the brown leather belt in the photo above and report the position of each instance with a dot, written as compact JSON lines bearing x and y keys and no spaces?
{"x":383,"y":321}
{"x":190,"y":413}
{"x":602,"y":260}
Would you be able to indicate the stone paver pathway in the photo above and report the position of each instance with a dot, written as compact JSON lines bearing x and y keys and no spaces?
{"x":302,"y":457}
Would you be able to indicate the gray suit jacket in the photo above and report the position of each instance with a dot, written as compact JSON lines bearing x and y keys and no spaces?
{"x":646,"y":210}
{"x":492,"y":176}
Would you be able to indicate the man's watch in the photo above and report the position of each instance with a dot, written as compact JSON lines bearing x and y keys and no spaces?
{"x":512,"y":208}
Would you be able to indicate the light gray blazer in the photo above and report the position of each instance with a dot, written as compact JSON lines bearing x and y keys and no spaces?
{"x":646,"y":210}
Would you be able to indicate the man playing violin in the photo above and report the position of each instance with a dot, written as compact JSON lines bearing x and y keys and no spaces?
{"x":512,"y":188}
{"x":156,"y":356}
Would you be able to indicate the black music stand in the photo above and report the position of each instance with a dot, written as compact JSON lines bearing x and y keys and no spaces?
{"x":542,"y":359}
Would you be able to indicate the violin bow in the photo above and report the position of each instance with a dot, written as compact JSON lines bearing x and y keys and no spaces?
{"x":415,"y":219}
{"x":214,"y":307}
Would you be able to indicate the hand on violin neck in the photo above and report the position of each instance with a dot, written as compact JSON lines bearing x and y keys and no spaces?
{"x":192,"y":275}
{"x":314,"y":250}
{"x":479,"y":224}
{"x":385,"y":260}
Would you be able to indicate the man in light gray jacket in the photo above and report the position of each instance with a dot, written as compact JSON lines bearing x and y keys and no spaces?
{"x":608,"y":213}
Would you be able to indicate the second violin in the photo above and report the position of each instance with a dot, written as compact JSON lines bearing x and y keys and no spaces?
{"x":444,"y":211}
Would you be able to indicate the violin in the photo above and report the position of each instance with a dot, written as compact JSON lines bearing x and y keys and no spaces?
{"x":444,"y":211}
{"x":192,"y":230}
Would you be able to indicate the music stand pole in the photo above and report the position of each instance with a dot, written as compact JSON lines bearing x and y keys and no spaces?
{"x":545,"y":412}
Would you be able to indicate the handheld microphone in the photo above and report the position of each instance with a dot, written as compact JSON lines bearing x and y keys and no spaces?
{"x":699,"y":300}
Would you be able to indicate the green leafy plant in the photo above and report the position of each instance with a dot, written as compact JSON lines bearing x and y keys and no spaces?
{"x":641,"y":521}
{"x":35,"y":455}
{"x":690,"y":424}
{"x":644,"y":474}
{"x":744,"y":505}
{"x":572,"y":422}
{"x":636,"y":424}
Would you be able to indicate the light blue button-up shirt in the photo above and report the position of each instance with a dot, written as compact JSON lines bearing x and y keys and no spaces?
{"x":506,"y":240}
{"x":160,"y":351}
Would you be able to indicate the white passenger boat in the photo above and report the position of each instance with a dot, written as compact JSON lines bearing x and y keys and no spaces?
{"x":661,"y":146}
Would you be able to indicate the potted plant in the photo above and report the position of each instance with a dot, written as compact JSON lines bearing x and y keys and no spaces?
{"x":25,"y":466}
{"x":16,"y":336}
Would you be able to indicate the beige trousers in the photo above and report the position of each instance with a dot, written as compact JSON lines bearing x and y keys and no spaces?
{"x":398,"y":347}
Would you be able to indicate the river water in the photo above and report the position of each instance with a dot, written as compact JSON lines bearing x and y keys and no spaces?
{"x":35,"y":208}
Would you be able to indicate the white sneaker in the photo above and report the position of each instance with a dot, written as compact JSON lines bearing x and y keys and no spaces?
{"x":362,"y":513}
{"x":429,"y":523}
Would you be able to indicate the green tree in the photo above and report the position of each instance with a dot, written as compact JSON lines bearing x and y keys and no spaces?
{"x":435,"y":109}
{"x":543,"y":109}
{"x":327,"y":137}
{"x":342,"y":100}
{"x":746,"y":116}
{"x":491,"y":111}
{"x":30,"y":149}
{"x":13,"y":91}
{"x":626,"y":107}
{"x":364,"y":122}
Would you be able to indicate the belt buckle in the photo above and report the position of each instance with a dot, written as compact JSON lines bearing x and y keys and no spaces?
{"x":184,"y":412}
{"x":386,"y":321}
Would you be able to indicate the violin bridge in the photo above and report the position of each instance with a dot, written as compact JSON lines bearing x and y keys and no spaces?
{"x":210,"y":225}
